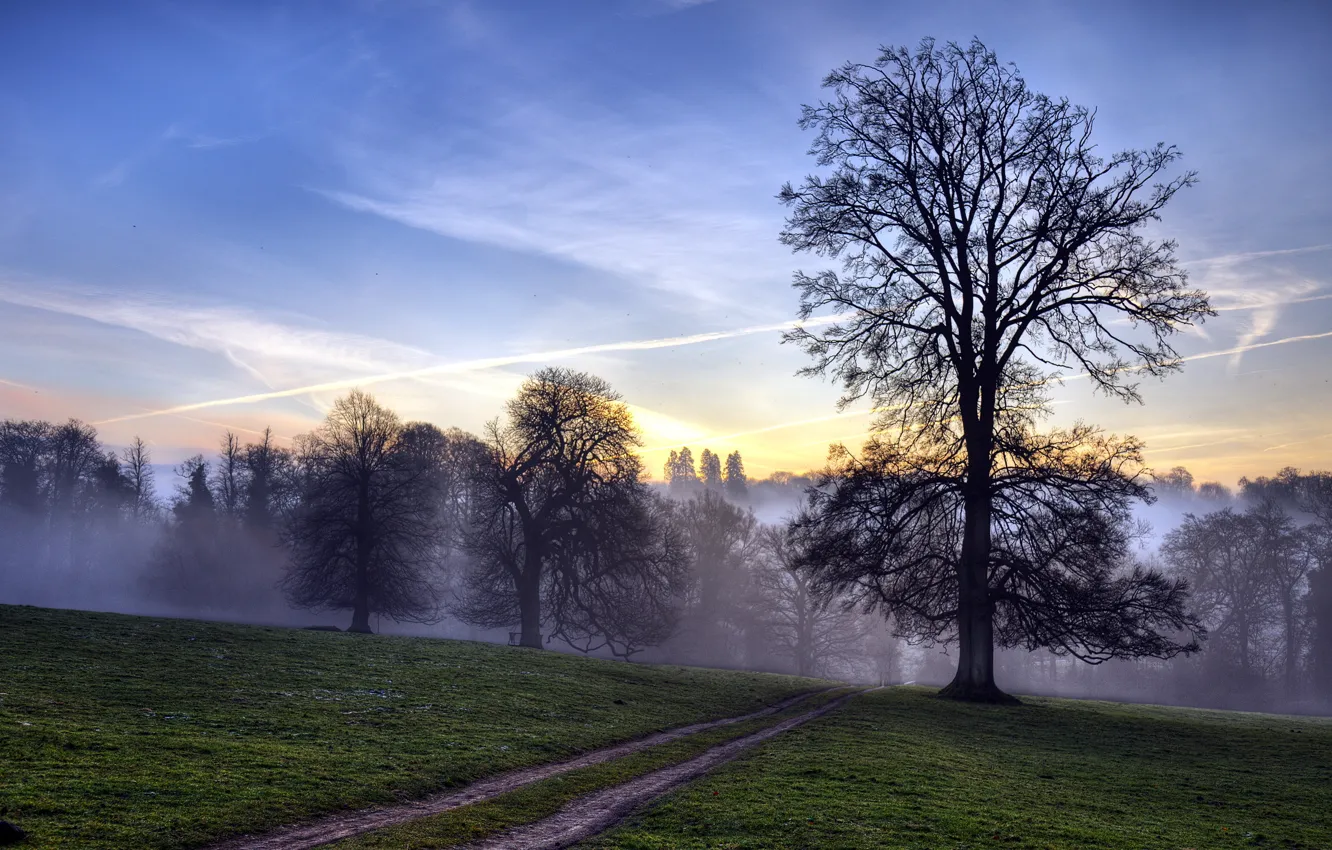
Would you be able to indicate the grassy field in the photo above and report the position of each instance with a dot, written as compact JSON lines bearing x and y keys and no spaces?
{"x":121,"y":731}
{"x":903,"y":769}
{"x":542,"y":799}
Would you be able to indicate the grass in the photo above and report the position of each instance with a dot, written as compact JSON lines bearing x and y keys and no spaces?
{"x":120,"y":731}
{"x":903,"y":769}
{"x":542,"y":799}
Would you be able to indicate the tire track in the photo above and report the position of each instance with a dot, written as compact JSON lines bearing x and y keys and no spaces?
{"x":336,"y":827}
{"x":596,"y":812}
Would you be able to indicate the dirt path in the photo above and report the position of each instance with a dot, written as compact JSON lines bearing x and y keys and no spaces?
{"x":597,"y":812}
{"x":344,"y":825}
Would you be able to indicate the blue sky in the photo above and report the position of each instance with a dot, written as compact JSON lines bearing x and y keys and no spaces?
{"x":203,"y":202}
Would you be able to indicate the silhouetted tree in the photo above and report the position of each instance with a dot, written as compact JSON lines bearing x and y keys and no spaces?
{"x":366,"y":534}
{"x":1177,"y":482}
{"x":137,"y":463}
{"x":1319,"y":601}
{"x":23,"y":445}
{"x":229,"y":477}
{"x":1223,"y":555}
{"x":1315,"y":494}
{"x":1215,"y":492}
{"x":269,"y":489}
{"x":736,"y":483}
{"x":888,"y":529}
{"x":631,"y":568}
{"x":815,"y":630}
{"x":722,"y":543}
{"x":73,"y":456}
{"x":985,"y":247}
{"x":681,"y":476}
{"x":710,"y":470}
{"x":188,"y":566}
{"x":564,"y":531}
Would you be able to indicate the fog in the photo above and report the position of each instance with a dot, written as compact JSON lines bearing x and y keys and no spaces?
{"x":92,"y":527}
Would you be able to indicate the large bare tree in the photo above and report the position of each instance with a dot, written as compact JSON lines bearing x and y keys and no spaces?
{"x":987,"y":249}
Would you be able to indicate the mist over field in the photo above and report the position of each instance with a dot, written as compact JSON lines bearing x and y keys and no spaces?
{"x":102,"y":530}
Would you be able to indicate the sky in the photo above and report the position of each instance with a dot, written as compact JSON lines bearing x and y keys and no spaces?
{"x":224,"y":215}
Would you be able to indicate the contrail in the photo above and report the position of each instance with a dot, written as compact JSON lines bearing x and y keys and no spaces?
{"x":478,"y":365}
{"x":1256,"y":345}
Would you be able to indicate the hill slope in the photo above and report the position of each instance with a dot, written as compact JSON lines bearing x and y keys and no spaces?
{"x":901,"y":768}
{"x":121,"y":731}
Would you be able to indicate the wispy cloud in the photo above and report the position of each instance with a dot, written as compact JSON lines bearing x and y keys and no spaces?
{"x":1254,"y":284}
{"x":670,"y":205}
{"x":203,"y":141}
{"x":174,"y":134}
{"x":272,"y":351}
{"x":1249,"y":256}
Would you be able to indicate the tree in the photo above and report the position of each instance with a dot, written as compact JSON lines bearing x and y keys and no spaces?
{"x":710,"y":470}
{"x":1223,"y":555}
{"x":1319,"y":601}
{"x":722,"y":544}
{"x":187,"y":567}
{"x":681,"y":476}
{"x":229,"y":477}
{"x":1177,"y":482}
{"x":137,"y":461}
{"x":813,"y":629}
{"x":736,"y":484}
{"x":1315,"y":497}
{"x":365,"y":536}
{"x":887,"y":529}
{"x":268,"y":489}
{"x":1289,"y":554}
{"x":564,"y":531}
{"x":986,"y":249}
{"x":72,"y":458}
{"x":23,"y":445}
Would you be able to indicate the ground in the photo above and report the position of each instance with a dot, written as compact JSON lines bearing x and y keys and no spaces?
{"x":120,"y":731}
{"x":134,"y":732}
{"x":902,"y":768}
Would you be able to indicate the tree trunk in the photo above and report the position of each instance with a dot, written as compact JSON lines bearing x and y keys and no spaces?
{"x":974,"y":680}
{"x":361,"y":615}
{"x":529,"y":607}
{"x":361,"y":603}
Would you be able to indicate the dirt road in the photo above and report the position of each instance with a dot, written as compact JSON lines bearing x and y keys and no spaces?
{"x":597,"y":812}
{"x":344,"y":825}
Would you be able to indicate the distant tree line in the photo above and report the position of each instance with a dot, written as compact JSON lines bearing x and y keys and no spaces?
{"x":545,"y":525}
{"x":1260,"y":566}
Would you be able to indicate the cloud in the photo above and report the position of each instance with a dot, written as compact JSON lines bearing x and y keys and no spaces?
{"x":667,"y":202}
{"x":1250,"y":282}
{"x":271,"y":351}
{"x":1230,"y":260}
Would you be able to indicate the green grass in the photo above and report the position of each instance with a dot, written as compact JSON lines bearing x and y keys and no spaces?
{"x":903,"y":769}
{"x":542,"y":799}
{"x":121,"y":731}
